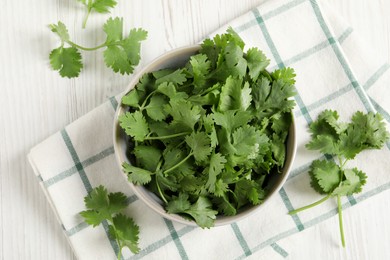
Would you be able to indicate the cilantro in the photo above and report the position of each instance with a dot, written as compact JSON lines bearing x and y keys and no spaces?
{"x":103,"y":206}
{"x":135,"y":125}
{"x":100,"y":6}
{"x":344,"y":141}
{"x":201,"y":211}
{"x":206,"y":137}
{"x":121,"y":53}
{"x":257,"y":62}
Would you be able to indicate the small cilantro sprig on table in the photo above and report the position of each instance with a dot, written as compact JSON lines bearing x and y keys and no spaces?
{"x":121,"y":53}
{"x":100,"y":6}
{"x":103,"y":206}
{"x":207,"y":137}
{"x":343,"y":141}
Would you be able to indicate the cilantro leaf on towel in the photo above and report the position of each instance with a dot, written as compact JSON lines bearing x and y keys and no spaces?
{"x":343,"y":141}
{"x":103,"y":206}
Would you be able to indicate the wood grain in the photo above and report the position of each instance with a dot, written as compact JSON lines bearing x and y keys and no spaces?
{"x":35,"y":102}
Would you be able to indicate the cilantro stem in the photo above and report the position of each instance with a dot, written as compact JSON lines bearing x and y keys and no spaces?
{"x":340,"y":210}
{"x":119,"y":251}
{"x":166,"y":136}
{"x":86,"y":48}
{"x":310,"y":205}
{"x":146,"y":99}
{"x":86,"y":17}
{"x":341,"y":163}
{"x":180,"y":163}
{"x":159,"y":191}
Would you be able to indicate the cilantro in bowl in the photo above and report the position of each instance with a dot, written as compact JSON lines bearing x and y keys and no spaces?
{"x":206,"y":137}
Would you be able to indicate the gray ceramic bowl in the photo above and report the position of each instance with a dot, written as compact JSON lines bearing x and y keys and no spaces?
{"x":174,"y":59}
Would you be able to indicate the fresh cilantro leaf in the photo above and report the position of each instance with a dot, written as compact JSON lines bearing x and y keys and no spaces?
{"x":200,"y":145}
{"x":286,"y":74}
{"x":202,"y":212}
{"x":221,"y":188}
{"x":233,"y":63}
{"x":257,"y":62}
{"x":100,"y":6}
{"x":222,"y":40}
{"x":366,"y":131}
{"x":248,"y":190}
{"x":166,"y":182}
{"x":325,"y":176}
{"x":67,"y":61}
{"x":61,"y":30}
{"x":137,"y":175}
{"x":177,"y":77}
{"x":122,"y":54}
{"x":134,"y":125}
{"x":271,"y":98}
{"x":178,"y":204}
{"x":353,"y":183}
{"x":169,"y":90}
{"x":184,"y":114}
{"x":200,"y":68}
{"x":231,"y":119}
{"x":247,"y":141}
{"x":280,"y":122}
{"x":325,"y":143}
{"x":113,"y":29}
{"x":209,"y":49}
{"x":116,"y":58}
{"x":103,"y":6}
{"x":126,"y":232}
{"x":172,"y":156}
{"x":233,"y":96}
{"x":131,"y":99}
{"x":132,"y":45}
{"x":225,"y":206}
{"x":230,"y":95}
{"x":217,"y":163}
{"x":154,"y":108}
{"x":278,"y":148}
{"x":104,"y":206}
{"x":148,"y":156}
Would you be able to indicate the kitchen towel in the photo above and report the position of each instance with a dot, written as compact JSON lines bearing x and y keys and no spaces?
{"x":333,"y":71}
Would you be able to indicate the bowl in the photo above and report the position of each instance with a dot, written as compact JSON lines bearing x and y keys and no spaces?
{"x":174,"y":59}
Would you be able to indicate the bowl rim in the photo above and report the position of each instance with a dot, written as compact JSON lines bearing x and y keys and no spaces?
{"x":136,"y":189}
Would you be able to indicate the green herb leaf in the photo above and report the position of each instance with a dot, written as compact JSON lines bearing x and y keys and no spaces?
{"x":135,"y":125}
{"x":353,"y":183}
{"x":200,"y":145}
{"x":325,"y":176}
{"x":257,"y":62}
{"x":126,"y":231}
{"x":137,"y":175}
{"x":122,"y":54}
{"x":67,"y":61}
{"x":104,"y":206}
{"x":365,"y":131}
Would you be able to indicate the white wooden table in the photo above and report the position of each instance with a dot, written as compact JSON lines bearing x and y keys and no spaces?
{"x":35,"y":103}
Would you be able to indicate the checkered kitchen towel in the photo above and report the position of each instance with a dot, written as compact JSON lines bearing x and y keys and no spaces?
{"x":333,"y":71}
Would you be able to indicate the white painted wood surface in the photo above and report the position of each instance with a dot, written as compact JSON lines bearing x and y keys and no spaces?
{"x":35,"y":102}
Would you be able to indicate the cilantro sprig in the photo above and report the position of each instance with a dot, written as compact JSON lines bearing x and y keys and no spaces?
{"x":207,"y":137}
{"x":103,"y":206}
{"x":100,"y":6}
{"x":121,"y":54}
{"x":343,"y":141}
